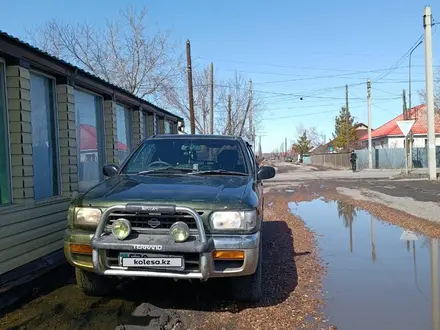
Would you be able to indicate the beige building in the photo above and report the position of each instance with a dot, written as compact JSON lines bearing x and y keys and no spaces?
{"x":58,"y":126}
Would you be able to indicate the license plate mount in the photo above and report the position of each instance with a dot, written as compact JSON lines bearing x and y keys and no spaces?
{"x":143,"y":260}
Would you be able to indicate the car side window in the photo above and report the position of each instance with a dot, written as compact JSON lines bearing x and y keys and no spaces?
{"x":253,"y":159}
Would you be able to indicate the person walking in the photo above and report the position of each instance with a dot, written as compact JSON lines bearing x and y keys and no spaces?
{"x":353,"y":158}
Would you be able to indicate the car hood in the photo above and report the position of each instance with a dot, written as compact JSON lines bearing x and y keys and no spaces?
{"x":216,"y":189}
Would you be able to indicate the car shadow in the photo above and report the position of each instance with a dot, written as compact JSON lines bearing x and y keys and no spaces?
{"x":145,"y":301}
{"x":279,"y":280}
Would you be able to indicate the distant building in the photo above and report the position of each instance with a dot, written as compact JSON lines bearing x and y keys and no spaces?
{"x":389,"y":134}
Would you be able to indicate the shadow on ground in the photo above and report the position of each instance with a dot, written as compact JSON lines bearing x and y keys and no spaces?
{"x":154,"y":303}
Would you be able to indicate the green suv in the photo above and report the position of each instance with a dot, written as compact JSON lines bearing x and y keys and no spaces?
{"x":181,"y":207}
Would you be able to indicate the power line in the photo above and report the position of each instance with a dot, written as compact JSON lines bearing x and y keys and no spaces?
{"x":399,"y":61}
{"x":273,"y":65}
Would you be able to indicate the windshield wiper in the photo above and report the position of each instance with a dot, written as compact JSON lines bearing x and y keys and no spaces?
{"x":168,"y":169}
{"x":219,"y":172}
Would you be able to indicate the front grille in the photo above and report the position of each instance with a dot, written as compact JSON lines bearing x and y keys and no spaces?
{"x":146,"y":222}
{"x":192,"y":260}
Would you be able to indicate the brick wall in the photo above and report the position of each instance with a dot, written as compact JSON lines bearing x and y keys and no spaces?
{"x":67,"y":140}
{"x":19,"y":108}
{"x":138,"y":127}
{"x":110,"y":131}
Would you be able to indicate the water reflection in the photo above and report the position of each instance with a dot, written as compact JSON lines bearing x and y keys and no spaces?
{"x":347,"y":213}
{"x":373,"y":245}
{"x":434,"y":284}
{"x":395,"y":281}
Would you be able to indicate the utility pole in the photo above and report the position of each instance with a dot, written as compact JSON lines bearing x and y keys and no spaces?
{"x":347,"y":132}
{"x":370,"y":147}
{"x":190,"y":88}
{"x":285,"y":145}
{"x":427,"y":24}
{"x":229,"y":115}
{"x":260,"y":152}
{"x":251,"y":122}
{"x":405,"y":117}
{"x":248,"y":114}
{"x":211,"y":121}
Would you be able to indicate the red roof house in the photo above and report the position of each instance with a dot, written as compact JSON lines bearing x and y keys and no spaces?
{"x":88,"y":140}
{"x":390,"y":131}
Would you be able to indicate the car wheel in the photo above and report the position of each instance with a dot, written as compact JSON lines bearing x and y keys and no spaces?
{"x":248,"y":288}
{"x":93,"y":284}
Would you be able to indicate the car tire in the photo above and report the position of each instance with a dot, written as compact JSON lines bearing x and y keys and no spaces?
{"x":248,"y":288}
{"x":92,"y":284}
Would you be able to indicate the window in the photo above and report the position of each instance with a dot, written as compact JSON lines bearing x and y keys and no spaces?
{"x":195,"y":154}
{"x":123,"y":129}
{"x":168,"y":127}
{"x":44,"y":138}
{"x":145,"y":118}
{"x":5,"y":181}
{"x":90,"y":137}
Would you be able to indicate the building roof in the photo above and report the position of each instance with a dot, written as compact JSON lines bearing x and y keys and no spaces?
{"x":74,"y":70}
{"x":391,"y":128}
{"x":88,"y":139}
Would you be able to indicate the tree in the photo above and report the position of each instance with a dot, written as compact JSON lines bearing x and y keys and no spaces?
{"x":303,"y":145}
{"x":312,"y":133}
{"x":124,"y":53}
{"x":238,"y":88}
{"x":340,"y":134}
{"x":176,"y":97}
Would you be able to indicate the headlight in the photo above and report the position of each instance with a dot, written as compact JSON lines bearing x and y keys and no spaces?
{"x":179,"y":232}
{"x":233,"y":220}
{"x":87,"y":216}
{"x":121,"y":228}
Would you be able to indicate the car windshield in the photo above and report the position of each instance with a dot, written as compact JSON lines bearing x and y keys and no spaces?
{"x":197,"y":155}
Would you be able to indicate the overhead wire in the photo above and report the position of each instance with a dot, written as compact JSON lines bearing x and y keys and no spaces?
{"x":398,"y":62}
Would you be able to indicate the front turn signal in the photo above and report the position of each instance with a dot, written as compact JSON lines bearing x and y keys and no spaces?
{"x":228,"y":255}
{"x":81,"y":249}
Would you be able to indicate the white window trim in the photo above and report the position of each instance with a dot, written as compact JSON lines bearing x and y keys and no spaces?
{"x":7,"y":135}
{"x":57,"y":130}
{"x":101,"y":141}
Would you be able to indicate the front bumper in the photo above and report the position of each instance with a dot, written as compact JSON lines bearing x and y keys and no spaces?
{"x":200,"y":249}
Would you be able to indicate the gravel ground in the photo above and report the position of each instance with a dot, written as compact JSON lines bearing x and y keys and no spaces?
{"x":291,"y":274}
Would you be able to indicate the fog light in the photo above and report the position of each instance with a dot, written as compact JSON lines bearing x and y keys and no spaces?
{"x":121,"y":228}
{"x":179,"y":231}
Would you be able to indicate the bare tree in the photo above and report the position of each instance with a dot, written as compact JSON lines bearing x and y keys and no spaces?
{"x":176,"y":97}
{"x":312,"y":134}
{"x":124,"y":53}
{"x":238,"y":88}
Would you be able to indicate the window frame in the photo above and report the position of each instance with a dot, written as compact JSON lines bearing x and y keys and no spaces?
{"x":56,"y":132}
{"x":128,"y":126}
{"x":7,"y":138}
{"x":99,"y":111}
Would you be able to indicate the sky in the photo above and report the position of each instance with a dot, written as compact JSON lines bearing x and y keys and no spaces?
{"x":290,"y":50}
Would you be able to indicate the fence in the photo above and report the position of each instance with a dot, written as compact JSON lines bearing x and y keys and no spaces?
{"x":382,"y":158}
{"x":329,"y":160}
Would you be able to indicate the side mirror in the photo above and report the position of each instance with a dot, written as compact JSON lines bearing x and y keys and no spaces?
{"x":110,"y":170}
{"x":266,"y":172}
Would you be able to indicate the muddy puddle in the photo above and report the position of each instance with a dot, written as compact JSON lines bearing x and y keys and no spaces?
{"x":379,"y":275}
